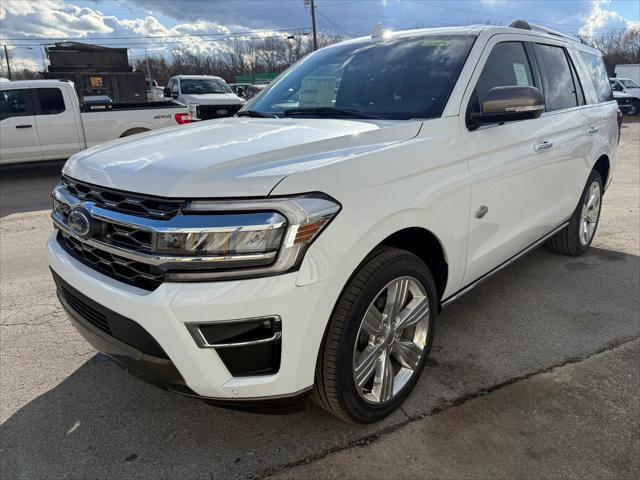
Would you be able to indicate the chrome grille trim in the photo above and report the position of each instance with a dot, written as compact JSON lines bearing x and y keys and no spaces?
{"x":131,"y":272}
{"x":139,"y":205}
{"x":129,"y":226}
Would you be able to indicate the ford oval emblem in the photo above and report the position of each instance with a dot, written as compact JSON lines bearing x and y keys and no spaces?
{"x":222,"y":111}
{"x":79,"y":222}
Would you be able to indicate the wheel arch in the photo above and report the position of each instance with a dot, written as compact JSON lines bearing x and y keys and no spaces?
{"x":424,"y":244}
{"x":603,"y":167}
{"x":133,"y":131}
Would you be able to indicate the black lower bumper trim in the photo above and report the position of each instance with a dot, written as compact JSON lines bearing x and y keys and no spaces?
{"x":162,"y":373}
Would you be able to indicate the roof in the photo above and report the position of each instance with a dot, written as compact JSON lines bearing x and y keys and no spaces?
{"x":75,"y":46}
{"x":489,"y":30}
{"x":195,"y":77}
{"x":32,"y":83}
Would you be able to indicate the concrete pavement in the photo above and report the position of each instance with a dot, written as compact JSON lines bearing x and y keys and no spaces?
{"x":576,"y":421}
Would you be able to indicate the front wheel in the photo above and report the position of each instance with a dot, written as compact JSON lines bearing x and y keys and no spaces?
{"x":576,"y":238}
{"x":378,"y":338}
{"x":634,"y":108}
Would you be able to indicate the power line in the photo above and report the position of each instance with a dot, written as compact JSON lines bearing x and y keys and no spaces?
{"x":166,"y":42}
{"x":334,"y":24}
{"x":155,"y":36}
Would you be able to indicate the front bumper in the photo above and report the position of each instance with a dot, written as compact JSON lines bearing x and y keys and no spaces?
{"x":165,"y":313}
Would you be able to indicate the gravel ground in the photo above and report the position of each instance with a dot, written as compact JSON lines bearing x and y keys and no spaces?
{"x":67,"y":412}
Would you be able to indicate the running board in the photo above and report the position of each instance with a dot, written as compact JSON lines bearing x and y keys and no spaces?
{"x":475,"y":283}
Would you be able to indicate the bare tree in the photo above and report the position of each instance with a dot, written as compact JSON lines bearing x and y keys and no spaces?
{"x":618,"y":47}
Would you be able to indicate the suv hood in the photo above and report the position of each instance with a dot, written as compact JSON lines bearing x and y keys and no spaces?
{"x":230,"y":157}
{"x":213,"y":99}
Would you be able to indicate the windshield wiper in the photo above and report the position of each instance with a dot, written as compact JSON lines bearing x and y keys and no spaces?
{"x":328,"y":112}
{"x":255,"y":114}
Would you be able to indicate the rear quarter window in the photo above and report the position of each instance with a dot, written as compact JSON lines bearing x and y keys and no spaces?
{"x":598,"y":76}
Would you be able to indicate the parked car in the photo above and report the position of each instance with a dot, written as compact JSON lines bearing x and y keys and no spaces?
{"x":623,"y":87}
{"x":253,"y":90}
{"x":308,"y":246}
{"x":626,"y":103}
{"x":239,"y":88}
{"x":44,"y":120}
{"x":212,"y":96}
{"x":629,"y":70}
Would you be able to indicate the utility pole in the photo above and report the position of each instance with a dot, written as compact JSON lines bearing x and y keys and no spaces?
{"x":6,"y":56}
{"x":311,"y":5}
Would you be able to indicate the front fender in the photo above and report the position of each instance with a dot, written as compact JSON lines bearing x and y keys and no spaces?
{"x":342,"y":247}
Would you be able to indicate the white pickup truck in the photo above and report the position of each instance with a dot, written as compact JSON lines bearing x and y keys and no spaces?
{"x":44,"y":120}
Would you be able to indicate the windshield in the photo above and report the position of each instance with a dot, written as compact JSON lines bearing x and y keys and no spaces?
{"x":629,"y":84}
{"x":395,"y":79}
{"x":198,"y":86}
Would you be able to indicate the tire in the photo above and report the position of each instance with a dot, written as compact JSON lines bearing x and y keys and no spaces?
{"x":571,"y":241}
{"x":635,"y":108}
{"x":335,"y":387}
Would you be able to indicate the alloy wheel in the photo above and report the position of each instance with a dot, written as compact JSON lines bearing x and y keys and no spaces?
{"x":391,"y":340}
{"x":590,"y":213}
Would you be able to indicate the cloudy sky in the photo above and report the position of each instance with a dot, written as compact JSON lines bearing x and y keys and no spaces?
{"x":161,"y":25}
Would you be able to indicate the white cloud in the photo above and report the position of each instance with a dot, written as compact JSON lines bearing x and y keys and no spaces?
{"x":601,"y":19}
{"x":63,"y":20}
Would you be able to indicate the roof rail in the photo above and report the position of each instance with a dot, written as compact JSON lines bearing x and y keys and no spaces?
{"x":540,"y":28}
{"x":524,"y":25}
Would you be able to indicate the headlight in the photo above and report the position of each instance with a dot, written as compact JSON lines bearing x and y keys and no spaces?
{"x":252,"y":237}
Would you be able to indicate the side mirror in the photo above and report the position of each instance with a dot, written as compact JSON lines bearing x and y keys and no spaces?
{"x":618,"y":88}
{"x":167,"y":91}
{"x":508,"y":104}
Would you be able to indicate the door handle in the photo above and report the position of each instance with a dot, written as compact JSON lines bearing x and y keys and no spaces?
{"x":591,"y":130}
{"x":24,"y":126}
{"x":538,"y":147}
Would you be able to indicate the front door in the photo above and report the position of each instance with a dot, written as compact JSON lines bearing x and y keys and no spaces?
{"x":18,"y":135}
{"x":511,"y":165}
{"x":57,"y":123}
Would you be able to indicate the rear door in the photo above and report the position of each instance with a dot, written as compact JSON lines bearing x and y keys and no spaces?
{"x":511,"y":188}
{"x":18,"y":135}
{"x":573,"y":136}
{"x":57,"y":123}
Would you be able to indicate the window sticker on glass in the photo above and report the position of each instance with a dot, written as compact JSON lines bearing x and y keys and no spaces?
{"x":435,"y":43}
{"x":521,"y":74}
{"x":317,"y":91}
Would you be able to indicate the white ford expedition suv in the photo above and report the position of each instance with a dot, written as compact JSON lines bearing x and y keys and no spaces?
{"x":307,"y":244}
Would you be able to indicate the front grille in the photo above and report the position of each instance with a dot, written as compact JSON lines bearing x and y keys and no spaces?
{"x":138,"y":274}
{"x":124,"y":202}
{"x":108,"y":321}
{"x":207,"y":112}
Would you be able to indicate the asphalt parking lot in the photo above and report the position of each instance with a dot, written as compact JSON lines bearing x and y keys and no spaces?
{"x":67,"y":412}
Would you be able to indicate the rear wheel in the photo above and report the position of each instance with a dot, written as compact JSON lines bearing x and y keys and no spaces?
{"x":634,"y":109}
{"x":576,"y":238}
{"x":378,"y":338}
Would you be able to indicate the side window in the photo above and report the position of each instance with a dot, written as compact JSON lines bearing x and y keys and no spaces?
{"x":559,"y":89}
{"x":507,"y":65}
{"x":599,"y":76}
{"x":13,"y":103}
{"x":577,"y":84}
{"x":50,"y":100}
{"x":174,"y":86}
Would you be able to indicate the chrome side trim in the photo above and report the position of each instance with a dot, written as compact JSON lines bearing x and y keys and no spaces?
{"x":196,"y":333}
{"x":449,"y":300}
